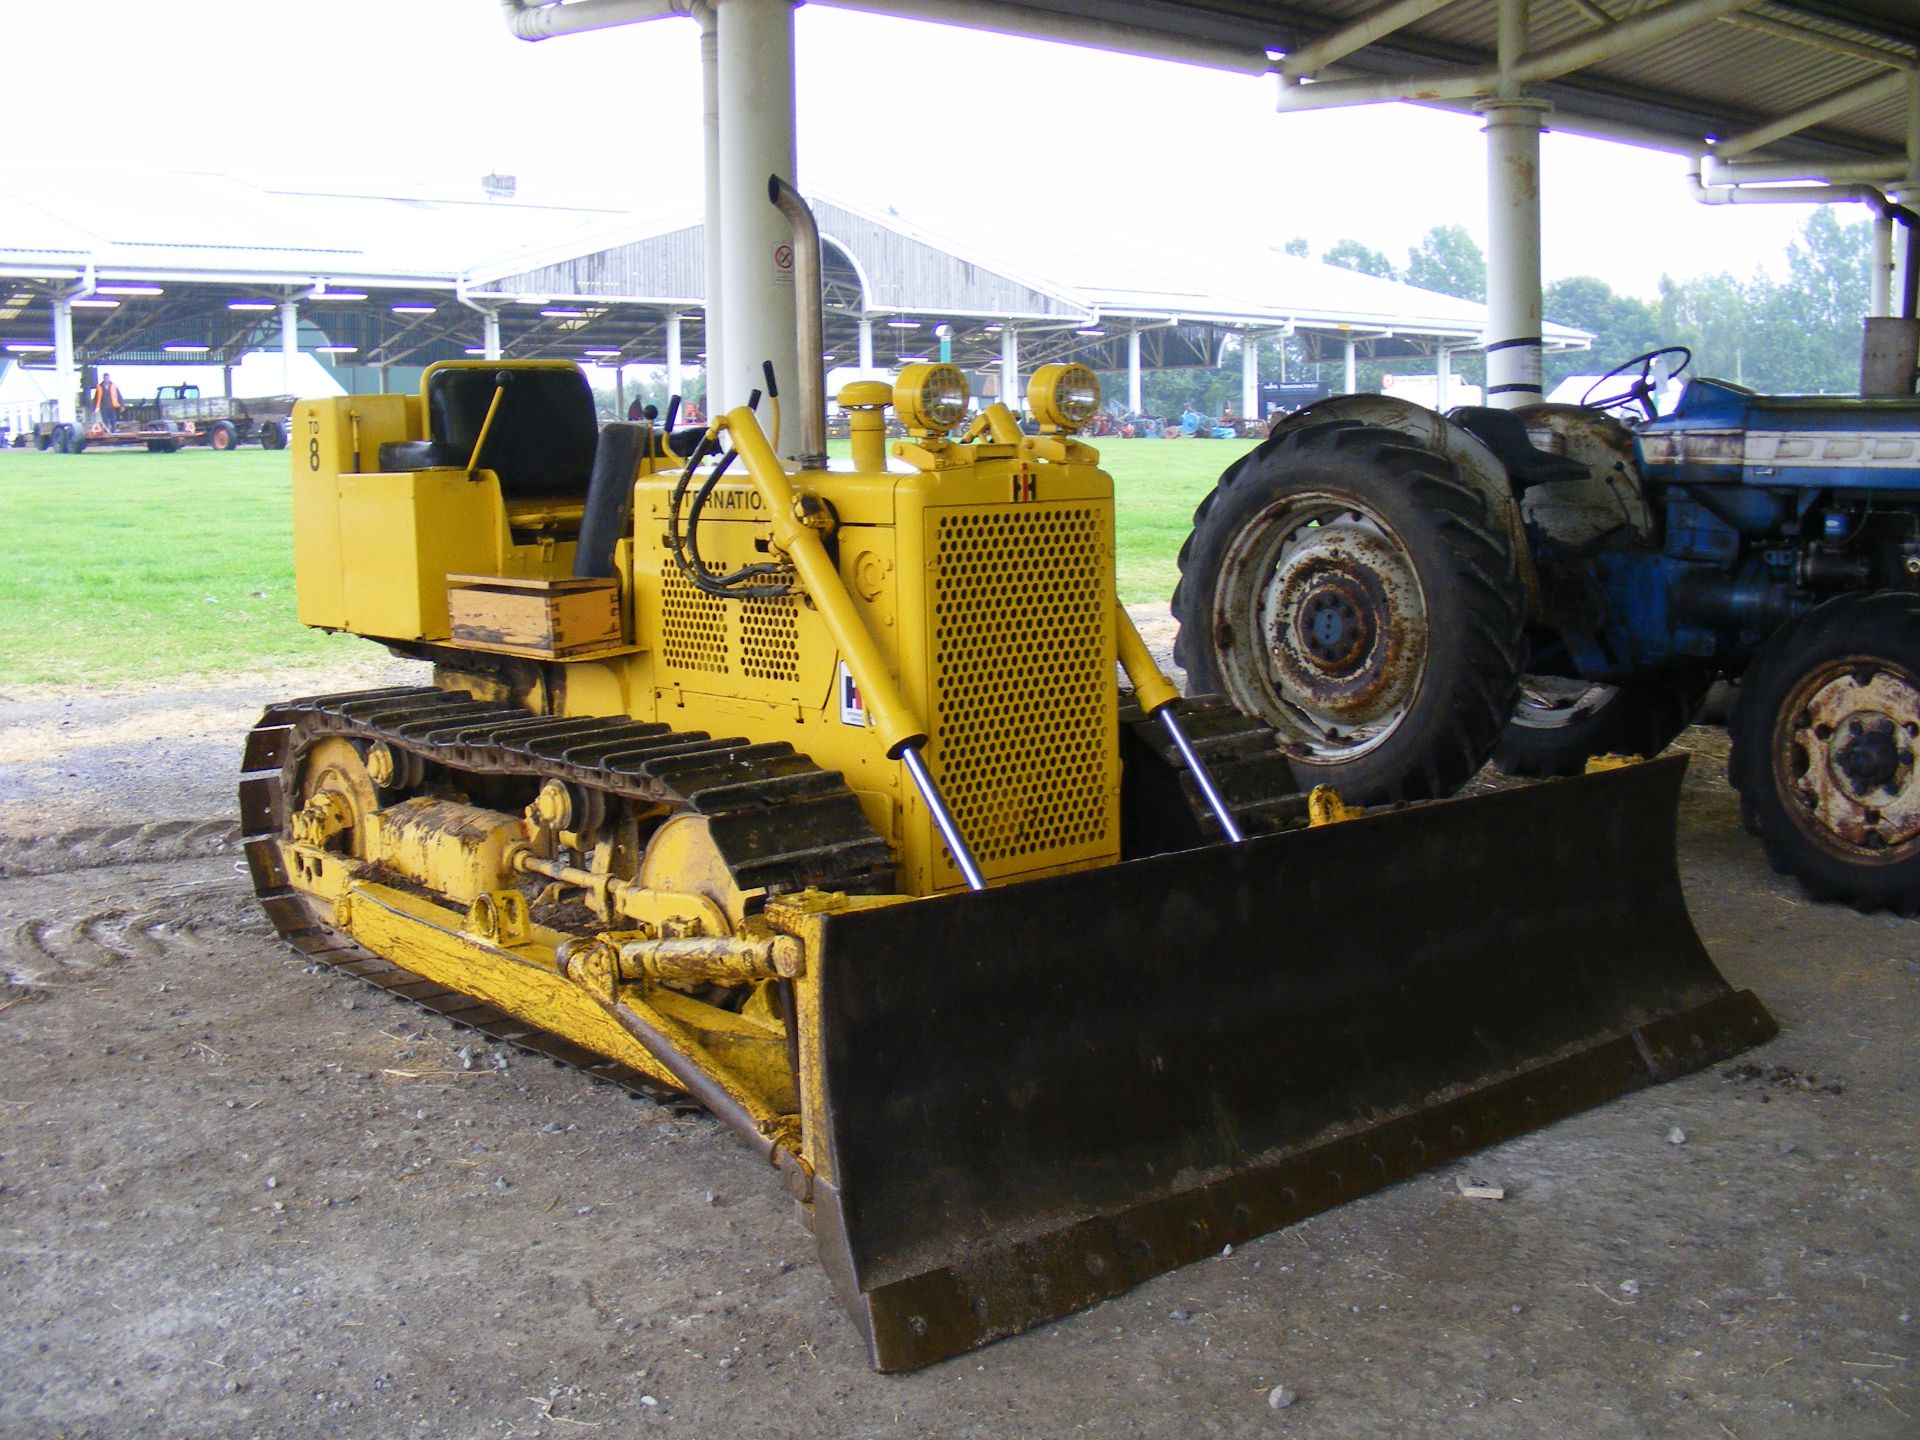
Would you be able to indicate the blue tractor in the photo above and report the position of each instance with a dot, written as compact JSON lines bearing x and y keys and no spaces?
{"x":1407,"y":595}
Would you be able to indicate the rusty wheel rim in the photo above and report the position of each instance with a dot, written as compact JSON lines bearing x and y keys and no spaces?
{"x":1844,"y":759}
{"x":1343,"y":620}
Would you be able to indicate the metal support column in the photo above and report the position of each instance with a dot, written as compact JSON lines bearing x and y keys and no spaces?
{"x":1880,"y":268}
{"x":1442,"y":377}
{"x":1010,"y":369}
{"x":755,"y":53}
{"x":716,"y":390}
{"x":289,"y":343}
{"x":1910,"y":197}
{"x":866,"y":347}
{"x":1352,"y":380}
{"x":1133,"y":372}
{"x":673,"y":355}
{"x":490,"y":333}
{"x":1513,"y":250}
{"x":1249,"y":374}
{"x":65,"y":383}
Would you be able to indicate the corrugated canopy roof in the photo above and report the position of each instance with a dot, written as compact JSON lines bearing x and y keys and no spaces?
{"x":1737,"y":66}
{"x":570,"y":281}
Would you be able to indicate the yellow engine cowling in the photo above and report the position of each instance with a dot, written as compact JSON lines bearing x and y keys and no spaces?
{"x":987,"y":583}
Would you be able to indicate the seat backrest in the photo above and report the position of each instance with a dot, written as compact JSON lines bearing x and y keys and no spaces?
{"x":542,"y":441}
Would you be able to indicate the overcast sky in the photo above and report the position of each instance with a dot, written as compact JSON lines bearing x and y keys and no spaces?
{"x":940,"y":124}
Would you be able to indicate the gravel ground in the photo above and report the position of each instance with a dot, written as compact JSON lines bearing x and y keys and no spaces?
{"x":243,"y":1196}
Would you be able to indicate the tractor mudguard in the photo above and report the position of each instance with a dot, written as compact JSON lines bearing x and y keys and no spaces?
{"x":1031,"y":1098}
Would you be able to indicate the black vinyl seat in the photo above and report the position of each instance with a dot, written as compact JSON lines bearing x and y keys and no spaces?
{"x":542,"y":442}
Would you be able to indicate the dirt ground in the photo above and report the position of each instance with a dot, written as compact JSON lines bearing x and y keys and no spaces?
{"x":240,"y":1195}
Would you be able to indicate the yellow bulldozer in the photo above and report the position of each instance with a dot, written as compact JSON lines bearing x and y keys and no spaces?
{"x":815,"y":792}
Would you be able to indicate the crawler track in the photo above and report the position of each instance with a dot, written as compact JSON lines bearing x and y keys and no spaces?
{"x":780,"y":820}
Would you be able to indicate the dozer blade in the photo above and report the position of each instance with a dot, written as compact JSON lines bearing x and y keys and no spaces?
{"x":1028,"y":1099}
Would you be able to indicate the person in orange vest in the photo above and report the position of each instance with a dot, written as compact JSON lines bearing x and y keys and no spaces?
{"x":107,"y":403}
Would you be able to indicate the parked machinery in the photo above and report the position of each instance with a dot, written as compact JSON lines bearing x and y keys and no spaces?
{"x":809,"y":791}
{"x":1405,"y":595}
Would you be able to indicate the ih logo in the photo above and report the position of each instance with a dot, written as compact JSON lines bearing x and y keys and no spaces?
{"x":853,"y":705}
{"x":1023,"y":484}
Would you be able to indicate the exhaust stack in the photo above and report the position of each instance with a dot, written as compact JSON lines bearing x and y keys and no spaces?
{"x":812,"y":322}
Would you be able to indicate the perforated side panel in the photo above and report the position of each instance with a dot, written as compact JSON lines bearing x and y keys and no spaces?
{"x":693,"y":627}
{"x":1023,"y":681}
{"x":770,"y":639}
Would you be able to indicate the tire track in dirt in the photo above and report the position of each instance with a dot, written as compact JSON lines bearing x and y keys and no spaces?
{"x":95,"y":847}
{"x":96,"y":933}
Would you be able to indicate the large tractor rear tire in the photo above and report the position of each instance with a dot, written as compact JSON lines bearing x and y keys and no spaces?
{"x":1357,"y":593}
{"x":1826,"y":751}
{"x":1560,"y":724}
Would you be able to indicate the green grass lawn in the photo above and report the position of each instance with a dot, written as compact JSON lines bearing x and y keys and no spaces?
{"x":124,"y":567}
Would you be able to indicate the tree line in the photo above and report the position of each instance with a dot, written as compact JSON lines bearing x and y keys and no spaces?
{"x":1797,"y":335}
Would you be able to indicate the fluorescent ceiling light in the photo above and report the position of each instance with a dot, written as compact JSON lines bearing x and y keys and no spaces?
{"x":597,"y":354}
{"x":904,"y":324}
{"x":416,"y":309}
{"x":184,"y":349}
{"x":566,"y":314}
{"x":1089,"y":332}
{"x":251,"y":305}
{"x":26,"y":347}
{"x":96,"y":304}
{"x":129,"y":290}
{"x":476,"y":350}
{"x":336,"y":349}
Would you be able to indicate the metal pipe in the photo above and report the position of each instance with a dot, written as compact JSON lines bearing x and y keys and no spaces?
{"x":1879,"y":170}
{"x":1133,"y":371}
{"x":943,"y":817}
{"x":1010,"y":369}
{"x":1156,"y":695}
{"x":1208,"y":789}
{"x":1381,"y":20}
{"x":809,"y":322}
{"x":541,"y":19}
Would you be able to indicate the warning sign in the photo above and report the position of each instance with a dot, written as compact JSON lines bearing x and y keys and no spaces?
{"x":783,"y":264}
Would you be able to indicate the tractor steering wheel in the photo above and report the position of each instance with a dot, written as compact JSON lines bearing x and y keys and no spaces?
{"x":1641,"y":389}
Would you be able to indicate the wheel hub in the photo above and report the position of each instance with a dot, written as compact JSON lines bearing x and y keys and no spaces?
{"x":1336,"y":625}
{"x":1852,"y":754}
{"x":1870,"y":756}
{"x":1344,"y":620}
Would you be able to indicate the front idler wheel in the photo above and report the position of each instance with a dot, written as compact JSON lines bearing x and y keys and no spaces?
{"x":1351,"y":589}
{"x":1825,"y":745}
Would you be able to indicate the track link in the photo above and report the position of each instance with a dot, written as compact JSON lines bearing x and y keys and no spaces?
{"x":780,"y":821}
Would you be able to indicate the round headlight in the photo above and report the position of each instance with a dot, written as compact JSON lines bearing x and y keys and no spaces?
{"x":930,"y":398}
{"x":1063,"y":397}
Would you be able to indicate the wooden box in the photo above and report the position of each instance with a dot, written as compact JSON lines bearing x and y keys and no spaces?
{"x":545,"y":619}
